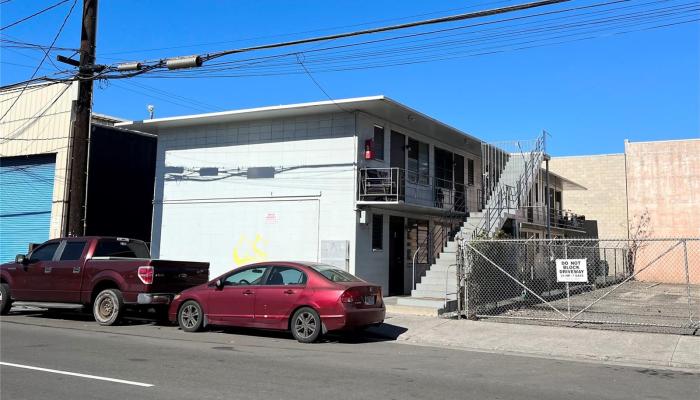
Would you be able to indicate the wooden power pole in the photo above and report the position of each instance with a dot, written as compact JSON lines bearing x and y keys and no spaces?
{"x":80,"y":137}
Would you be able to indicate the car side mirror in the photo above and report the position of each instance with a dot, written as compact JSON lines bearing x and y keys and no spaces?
{"x":21,"y":259}
{"x":219,"y":284}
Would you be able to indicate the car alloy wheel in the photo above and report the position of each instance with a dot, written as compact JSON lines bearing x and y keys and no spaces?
{"x":190,"y":316}
{"x":305,"y":325}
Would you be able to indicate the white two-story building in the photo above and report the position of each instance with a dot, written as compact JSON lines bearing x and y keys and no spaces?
{"x":367,"y":184}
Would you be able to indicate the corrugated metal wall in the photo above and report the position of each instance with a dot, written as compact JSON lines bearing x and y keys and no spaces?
{"x":25,"y":202}
{"x":39,"y":123}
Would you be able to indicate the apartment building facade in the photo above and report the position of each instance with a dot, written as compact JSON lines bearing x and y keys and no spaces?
{"x":367,"y":184}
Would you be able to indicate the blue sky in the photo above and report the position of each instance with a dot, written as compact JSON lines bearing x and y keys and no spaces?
{"x":589,"y":94}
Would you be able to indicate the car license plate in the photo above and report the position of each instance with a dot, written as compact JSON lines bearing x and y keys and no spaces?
{"x":369,"y":300}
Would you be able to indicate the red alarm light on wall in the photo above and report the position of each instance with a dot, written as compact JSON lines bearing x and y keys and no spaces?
{"x":369,"y":149}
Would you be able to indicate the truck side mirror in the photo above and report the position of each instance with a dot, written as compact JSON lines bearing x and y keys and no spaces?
{"x":21,"y":259}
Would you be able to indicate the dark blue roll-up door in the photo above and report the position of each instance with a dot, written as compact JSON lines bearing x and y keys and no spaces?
{"x":26,"y":191}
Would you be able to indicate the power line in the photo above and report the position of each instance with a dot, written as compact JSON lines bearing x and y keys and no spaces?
{"x":60,"y":29}
{"x":644,"y":17}
{"x":307,"y":31}
{"x":264,"y":58}
{"x":33,"y":15}
{"x":452,"y":18}
{"x":459,"y":17}
{"x":318,"y":85}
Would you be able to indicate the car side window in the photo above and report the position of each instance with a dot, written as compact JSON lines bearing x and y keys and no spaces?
{"x":286,"y":276}
{"x":72,"y":251}
{"x":249,"y":276}
{"x":45,"y":252}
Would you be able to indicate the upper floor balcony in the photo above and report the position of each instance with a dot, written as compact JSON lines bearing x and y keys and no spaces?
{"x":400,"y":189}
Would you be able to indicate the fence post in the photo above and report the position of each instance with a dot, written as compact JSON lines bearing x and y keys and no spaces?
{"x":568,"y":297}
{"x":687,"y":280}
{"x":605,"y":257}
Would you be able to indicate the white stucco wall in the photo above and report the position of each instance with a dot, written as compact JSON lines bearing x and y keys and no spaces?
{"x":230,"y":220}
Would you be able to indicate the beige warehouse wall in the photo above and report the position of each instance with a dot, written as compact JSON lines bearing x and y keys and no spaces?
{"x":663,"y":179}
{"x":605,"y":198}
{"x":39,"y":123}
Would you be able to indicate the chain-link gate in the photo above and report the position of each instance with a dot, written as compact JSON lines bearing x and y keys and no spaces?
{"x":643,"y":283}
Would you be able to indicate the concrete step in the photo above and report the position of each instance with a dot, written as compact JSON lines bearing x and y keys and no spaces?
{"x":446,"y":259}
{"x":442,"y":267}
{"x":437,"y":294}
{"x":412,"y":309}
{"x":433,"y":287}
{"x":434,"y":303}
{"x":438,"y":279}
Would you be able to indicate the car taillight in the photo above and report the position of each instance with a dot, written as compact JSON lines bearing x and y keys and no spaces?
{"x":351,"y":296}
{"x":146,"y":274}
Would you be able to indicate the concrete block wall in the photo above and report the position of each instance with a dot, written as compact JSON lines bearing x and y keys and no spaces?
{"x":605,"y":197}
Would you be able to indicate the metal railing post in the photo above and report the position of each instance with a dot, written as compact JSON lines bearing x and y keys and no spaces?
{"x":414,"y":267}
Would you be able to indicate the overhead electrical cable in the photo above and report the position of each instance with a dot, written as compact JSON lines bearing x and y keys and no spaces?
{"x":33,"y":15}
{"x":38,"y":67}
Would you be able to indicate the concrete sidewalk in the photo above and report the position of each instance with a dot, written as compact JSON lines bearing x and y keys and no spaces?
{"x":627,"y":348}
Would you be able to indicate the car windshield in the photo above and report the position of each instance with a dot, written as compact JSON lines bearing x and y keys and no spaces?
{"x":334,"y":274}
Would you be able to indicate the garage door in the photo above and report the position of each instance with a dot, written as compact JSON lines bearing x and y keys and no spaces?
{"x":236,"y":233}
{"x":26,"y":190}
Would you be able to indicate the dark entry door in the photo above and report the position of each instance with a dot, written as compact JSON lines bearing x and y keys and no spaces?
{"x":398,"y":160}
{"x":396,"y":256}
{"x":459,"y":183}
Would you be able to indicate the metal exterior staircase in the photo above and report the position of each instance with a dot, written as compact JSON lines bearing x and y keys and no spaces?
{"x":436,"y":290}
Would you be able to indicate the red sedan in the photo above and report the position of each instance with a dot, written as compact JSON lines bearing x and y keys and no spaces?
{"x":307,"y":298}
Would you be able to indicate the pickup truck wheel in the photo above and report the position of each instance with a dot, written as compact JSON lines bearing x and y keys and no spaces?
{"x":190,"y":317}
{"x":108,"y":307}
{"x":5,"y":299}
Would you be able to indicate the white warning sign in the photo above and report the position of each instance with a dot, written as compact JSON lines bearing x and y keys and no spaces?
{"x":572,"y":270}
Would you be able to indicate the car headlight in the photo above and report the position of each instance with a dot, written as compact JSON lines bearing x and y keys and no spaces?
{"x":177,"y":296}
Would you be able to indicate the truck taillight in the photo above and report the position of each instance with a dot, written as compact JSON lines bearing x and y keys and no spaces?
{"x":146,"y":274}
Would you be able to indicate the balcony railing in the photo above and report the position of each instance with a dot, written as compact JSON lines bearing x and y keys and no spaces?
{"x":395,"y":185}
{"x":564,"y":219}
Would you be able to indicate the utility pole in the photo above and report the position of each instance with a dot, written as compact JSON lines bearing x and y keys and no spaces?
{"x":80,"y":136}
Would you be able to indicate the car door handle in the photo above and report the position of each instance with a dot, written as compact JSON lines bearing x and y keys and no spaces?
{"x":247,"y":292}
{"x":289,"y":291}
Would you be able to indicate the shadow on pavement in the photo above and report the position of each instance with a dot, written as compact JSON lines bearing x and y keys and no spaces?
{"x":130,"y":318}
{"x":382,"y":333}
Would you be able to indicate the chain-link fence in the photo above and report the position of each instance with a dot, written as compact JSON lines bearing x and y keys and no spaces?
{"x":642,"y":283}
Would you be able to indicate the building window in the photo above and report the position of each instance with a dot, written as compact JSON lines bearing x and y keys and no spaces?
{"x":470,"y":172}
{"x":378,"y":142}
{"x":418,"y":162}
{"x":377,"y":231}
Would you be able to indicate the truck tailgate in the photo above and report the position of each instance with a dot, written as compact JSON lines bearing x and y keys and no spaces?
{"x":176,"y":276}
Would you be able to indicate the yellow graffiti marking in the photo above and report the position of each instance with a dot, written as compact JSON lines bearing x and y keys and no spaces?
{"x":246,"y":252}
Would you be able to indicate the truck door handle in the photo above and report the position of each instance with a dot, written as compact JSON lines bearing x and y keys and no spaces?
{"x":289,"y":291}
{"x":247,"y":292}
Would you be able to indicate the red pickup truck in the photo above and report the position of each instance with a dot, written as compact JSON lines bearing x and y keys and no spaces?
{"x":109,"y":274}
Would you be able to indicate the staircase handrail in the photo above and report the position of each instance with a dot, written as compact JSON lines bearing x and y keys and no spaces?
{"x":503,"y":195}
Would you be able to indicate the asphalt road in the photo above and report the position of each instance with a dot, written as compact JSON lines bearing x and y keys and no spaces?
{"x":244,"y":364}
